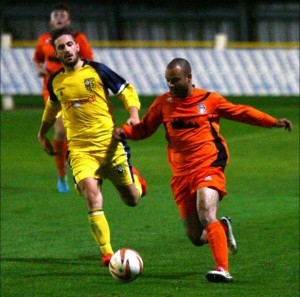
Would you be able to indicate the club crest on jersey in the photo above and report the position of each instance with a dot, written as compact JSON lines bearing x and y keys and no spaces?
{"x":121,"y":170}
{"x":89,"y":83}
{"x":202,"y":108}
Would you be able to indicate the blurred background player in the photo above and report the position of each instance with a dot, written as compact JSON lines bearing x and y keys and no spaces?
{"x":47,"y":63}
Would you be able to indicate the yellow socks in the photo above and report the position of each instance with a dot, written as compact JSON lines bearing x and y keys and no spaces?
{"x":100,"y":230}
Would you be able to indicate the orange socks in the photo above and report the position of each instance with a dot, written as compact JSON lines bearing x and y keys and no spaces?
{"x":217,"y":240}
{"x":61,"y":148}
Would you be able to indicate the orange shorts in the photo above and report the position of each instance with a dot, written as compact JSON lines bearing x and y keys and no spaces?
{"x":185,"y":187}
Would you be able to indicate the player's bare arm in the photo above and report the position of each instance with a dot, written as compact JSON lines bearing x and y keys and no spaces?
{"x":287,"y":124}
{"x":43,"y":139}
{"x":133,"y":116}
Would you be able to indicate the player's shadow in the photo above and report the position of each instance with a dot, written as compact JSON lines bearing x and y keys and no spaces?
{"x":172,"y":276}
{"x":78,"y":261}
{"x":83,"y":261}
{"x":87,"y":260}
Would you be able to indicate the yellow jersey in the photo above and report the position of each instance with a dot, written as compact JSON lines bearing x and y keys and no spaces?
{"x":83,"y":97}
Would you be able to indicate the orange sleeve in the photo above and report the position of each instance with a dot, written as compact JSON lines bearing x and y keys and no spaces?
{"x":38,"y":55}
{"x":85,"y":50}
{"x":148,"y":125}
{"x":135,"y":132}
{"x":244,"y":113}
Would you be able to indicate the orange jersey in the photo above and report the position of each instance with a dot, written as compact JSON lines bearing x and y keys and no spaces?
{"x":192,"y":128}
{"x":44,"y":54}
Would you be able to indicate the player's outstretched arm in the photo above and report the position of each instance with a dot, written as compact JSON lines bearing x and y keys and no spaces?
{"x":287,"y":124}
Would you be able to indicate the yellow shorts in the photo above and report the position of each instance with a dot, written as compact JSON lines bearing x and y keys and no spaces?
{"x":100,"y":165}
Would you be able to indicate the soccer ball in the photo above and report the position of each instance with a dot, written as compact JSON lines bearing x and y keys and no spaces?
{"x":126,"y":265}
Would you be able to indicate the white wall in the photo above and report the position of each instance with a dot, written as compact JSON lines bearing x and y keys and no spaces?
{"x":229,"y":71}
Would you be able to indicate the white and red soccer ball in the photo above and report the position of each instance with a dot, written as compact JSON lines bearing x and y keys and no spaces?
{"x":126,"y":265}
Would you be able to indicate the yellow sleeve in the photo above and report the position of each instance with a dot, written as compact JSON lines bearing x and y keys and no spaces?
{"x":50,"y":111}
{"x":130,"y":97}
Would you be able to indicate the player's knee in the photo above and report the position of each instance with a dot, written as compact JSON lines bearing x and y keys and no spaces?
{"x":197,"y":241}
{"x":129,"y":196}
{"x":59,"y":131}
{"x":206,"y":217}
{"x":59,"y":135}
{"x":195,"y":238}
{"x":130,"y":201}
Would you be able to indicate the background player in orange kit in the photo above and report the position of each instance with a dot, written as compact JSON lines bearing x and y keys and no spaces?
{"x":47,"y":63}
{"x":198,"y":155}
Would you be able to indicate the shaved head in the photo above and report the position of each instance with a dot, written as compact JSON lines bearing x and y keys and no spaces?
{"x":179,"y":78}
{"x":182,"y":63}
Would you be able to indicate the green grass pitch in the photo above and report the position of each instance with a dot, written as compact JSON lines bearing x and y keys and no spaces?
{"x":47,"y":248}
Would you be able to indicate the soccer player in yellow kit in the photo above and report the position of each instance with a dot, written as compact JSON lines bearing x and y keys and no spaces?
{"x":81,"y":91}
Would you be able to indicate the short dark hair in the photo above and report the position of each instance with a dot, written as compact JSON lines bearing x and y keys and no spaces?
{"x":184,"y":64}
{"x":62,"y":6}
{"x":62,"y":31}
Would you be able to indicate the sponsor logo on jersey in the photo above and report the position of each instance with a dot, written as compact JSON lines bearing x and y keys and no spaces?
{"x":202,"y":108}
{"x":78,"y":103}
{"x":90,"y":83}
{"x":121,"y":171}
{"x":180,"y":124}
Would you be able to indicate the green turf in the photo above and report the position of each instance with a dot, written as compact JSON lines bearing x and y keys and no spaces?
{"x":47,"y":249}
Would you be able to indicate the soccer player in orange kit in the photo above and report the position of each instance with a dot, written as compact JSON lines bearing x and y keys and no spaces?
{"x":198,"y":155}
{"x":47,"y":63}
